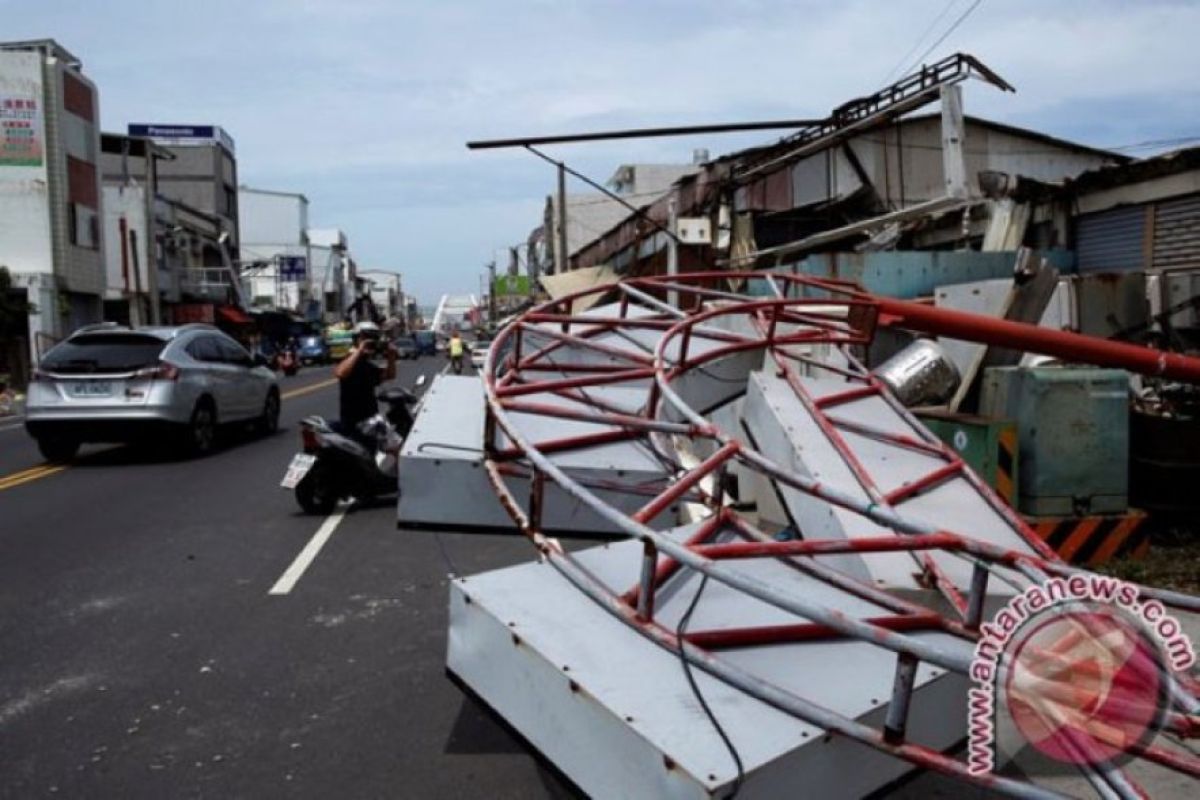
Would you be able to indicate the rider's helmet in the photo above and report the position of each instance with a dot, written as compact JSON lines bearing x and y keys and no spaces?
{"x":366,"y":330}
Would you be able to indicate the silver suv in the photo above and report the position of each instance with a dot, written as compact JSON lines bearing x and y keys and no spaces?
{"x":109,"y":383}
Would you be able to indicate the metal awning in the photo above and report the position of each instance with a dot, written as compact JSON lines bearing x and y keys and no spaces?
{"x":578,"y":280}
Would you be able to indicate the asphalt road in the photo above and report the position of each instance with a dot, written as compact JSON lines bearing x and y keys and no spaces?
{"x":142,"y":656}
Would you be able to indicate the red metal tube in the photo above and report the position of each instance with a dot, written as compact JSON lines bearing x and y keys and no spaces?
{"x":613,"y":376}
{"x":570,"y":443}
{"x":803,"y":632}
{"x":669,"y":566}
{"x":1047,"y":341}
{"x":813,"y":547}
{"x":602,"y":418}
{"x":924,"y":482}
{"x":681,"y":486}
{"x":586,"y":343}
{"x":848,"y":396}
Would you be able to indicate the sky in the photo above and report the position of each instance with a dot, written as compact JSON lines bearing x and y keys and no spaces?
{"x":365,"y":106}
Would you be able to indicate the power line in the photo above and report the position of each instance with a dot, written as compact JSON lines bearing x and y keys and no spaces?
{"x":904,"y":58}
{"x":962,"y":17}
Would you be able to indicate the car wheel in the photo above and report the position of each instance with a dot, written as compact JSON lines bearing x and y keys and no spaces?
{"x":316,"y":494}
{"x":201,"y":435}
{"x":268,"y":423}
{"x":55,"y":448}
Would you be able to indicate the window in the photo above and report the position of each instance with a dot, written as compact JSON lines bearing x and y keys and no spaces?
{"x":206,"y":349}
{"x":234,"y":353}
{"x":103,"y":352}
{"x":83,"y":226}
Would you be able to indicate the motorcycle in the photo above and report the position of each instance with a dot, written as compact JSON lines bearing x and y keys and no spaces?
{"x":288,"y":363}
{"x":457,"y":363}
{"x":334,"y":465}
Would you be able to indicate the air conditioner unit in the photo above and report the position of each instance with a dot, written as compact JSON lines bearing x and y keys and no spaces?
{"x":694,"y":230}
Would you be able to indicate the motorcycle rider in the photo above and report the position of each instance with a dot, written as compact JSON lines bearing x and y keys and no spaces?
{"x":455,"y":346}
{"x":358,"y":378}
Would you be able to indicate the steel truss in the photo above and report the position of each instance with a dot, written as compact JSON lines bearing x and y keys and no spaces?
{"x":579,"y":356}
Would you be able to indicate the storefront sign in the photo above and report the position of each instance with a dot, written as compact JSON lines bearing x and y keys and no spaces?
{"x":20,"y":132}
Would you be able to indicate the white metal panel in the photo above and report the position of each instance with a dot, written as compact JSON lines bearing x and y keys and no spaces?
{"x":590,"y":693}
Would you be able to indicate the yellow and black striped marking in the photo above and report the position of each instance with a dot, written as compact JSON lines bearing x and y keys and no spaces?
{"x":1095,"y":539}
{"x":1006,"y":464}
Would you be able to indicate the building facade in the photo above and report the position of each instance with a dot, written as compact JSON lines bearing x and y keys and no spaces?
{"x":201,"y":171}
{"x":161,"y":253}
{"x":276,"y":259}
{"x":51,"y":236}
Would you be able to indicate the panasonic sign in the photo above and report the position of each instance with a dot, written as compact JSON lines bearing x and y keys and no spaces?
{"x":183,"y":134}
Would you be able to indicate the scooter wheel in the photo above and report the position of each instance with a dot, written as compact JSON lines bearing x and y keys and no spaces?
{"x":316,"y":494}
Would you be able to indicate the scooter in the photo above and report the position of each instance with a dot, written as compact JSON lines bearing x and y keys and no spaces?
{"x":334,"y":466}
{"x":288,"y":363}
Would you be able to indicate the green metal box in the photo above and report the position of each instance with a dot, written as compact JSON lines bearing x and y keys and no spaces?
{"x":987,"y":445}
{"x":1073,"y":433}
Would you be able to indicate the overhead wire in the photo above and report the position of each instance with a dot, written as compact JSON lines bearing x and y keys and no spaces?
{"x":962,"y":18}
{"x":920,"y":40}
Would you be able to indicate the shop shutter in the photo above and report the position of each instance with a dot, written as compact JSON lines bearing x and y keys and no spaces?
{"x":1111,"y":241}
{"x":1177,"y":233}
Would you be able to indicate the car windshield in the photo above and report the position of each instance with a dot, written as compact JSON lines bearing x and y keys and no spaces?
{"x":105,"y":352}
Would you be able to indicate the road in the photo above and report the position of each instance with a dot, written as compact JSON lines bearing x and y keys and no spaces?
{"x":141,"y":654}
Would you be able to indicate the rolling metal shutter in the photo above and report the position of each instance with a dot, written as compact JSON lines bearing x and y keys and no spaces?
{"x":1177,"y":233}
{"x":1111,"y":241}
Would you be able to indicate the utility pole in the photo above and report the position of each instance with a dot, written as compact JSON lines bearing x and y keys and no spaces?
{"x":672,"y":250}
{"x":560,"y":248}
{"x":151,"y":191}
{"x":491,"y":293}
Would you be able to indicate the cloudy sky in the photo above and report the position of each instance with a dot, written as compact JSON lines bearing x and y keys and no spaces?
{"x":365,"y":105}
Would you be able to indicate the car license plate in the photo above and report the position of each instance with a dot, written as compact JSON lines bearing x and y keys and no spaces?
{"x":301,"y":464}
{"x":91,"y":389}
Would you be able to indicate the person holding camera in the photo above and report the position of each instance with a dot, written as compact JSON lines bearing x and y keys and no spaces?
{"x":358,"y":377}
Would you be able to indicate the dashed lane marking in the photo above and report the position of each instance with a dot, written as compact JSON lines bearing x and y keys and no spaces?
{"x":302,"y":561}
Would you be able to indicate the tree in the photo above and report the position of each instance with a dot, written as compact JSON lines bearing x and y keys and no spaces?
{"x":14,"y":314}
{"x":14,"y":308}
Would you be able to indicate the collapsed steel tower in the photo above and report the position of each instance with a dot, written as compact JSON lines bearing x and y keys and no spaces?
{"x":670,"y":416}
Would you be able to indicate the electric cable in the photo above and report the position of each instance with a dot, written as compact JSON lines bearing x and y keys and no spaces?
{"x":962,"y":17}
{"x":920,"y":40}
{"x":680,"y":630}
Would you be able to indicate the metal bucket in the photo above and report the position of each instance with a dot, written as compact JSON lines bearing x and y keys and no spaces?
{"x":920,"y":374}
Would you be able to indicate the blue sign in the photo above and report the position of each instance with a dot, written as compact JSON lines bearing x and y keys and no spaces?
{"x":293,"y":268}
{"x":182,"y":134}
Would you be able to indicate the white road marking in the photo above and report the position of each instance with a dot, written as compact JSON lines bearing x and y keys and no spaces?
{"x":14,"y":427}
{"x":294,"y":572}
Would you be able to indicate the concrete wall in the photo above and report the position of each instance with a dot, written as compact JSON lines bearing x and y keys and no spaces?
{"x":204,"y":176}
{"x":126,"y":203}
{"x":24,"y":192}
{"x":65,"y":280}
{"x":271,"y":217}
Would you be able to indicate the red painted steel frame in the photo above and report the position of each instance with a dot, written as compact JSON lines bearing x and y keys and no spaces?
{"x":860,"y":314}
